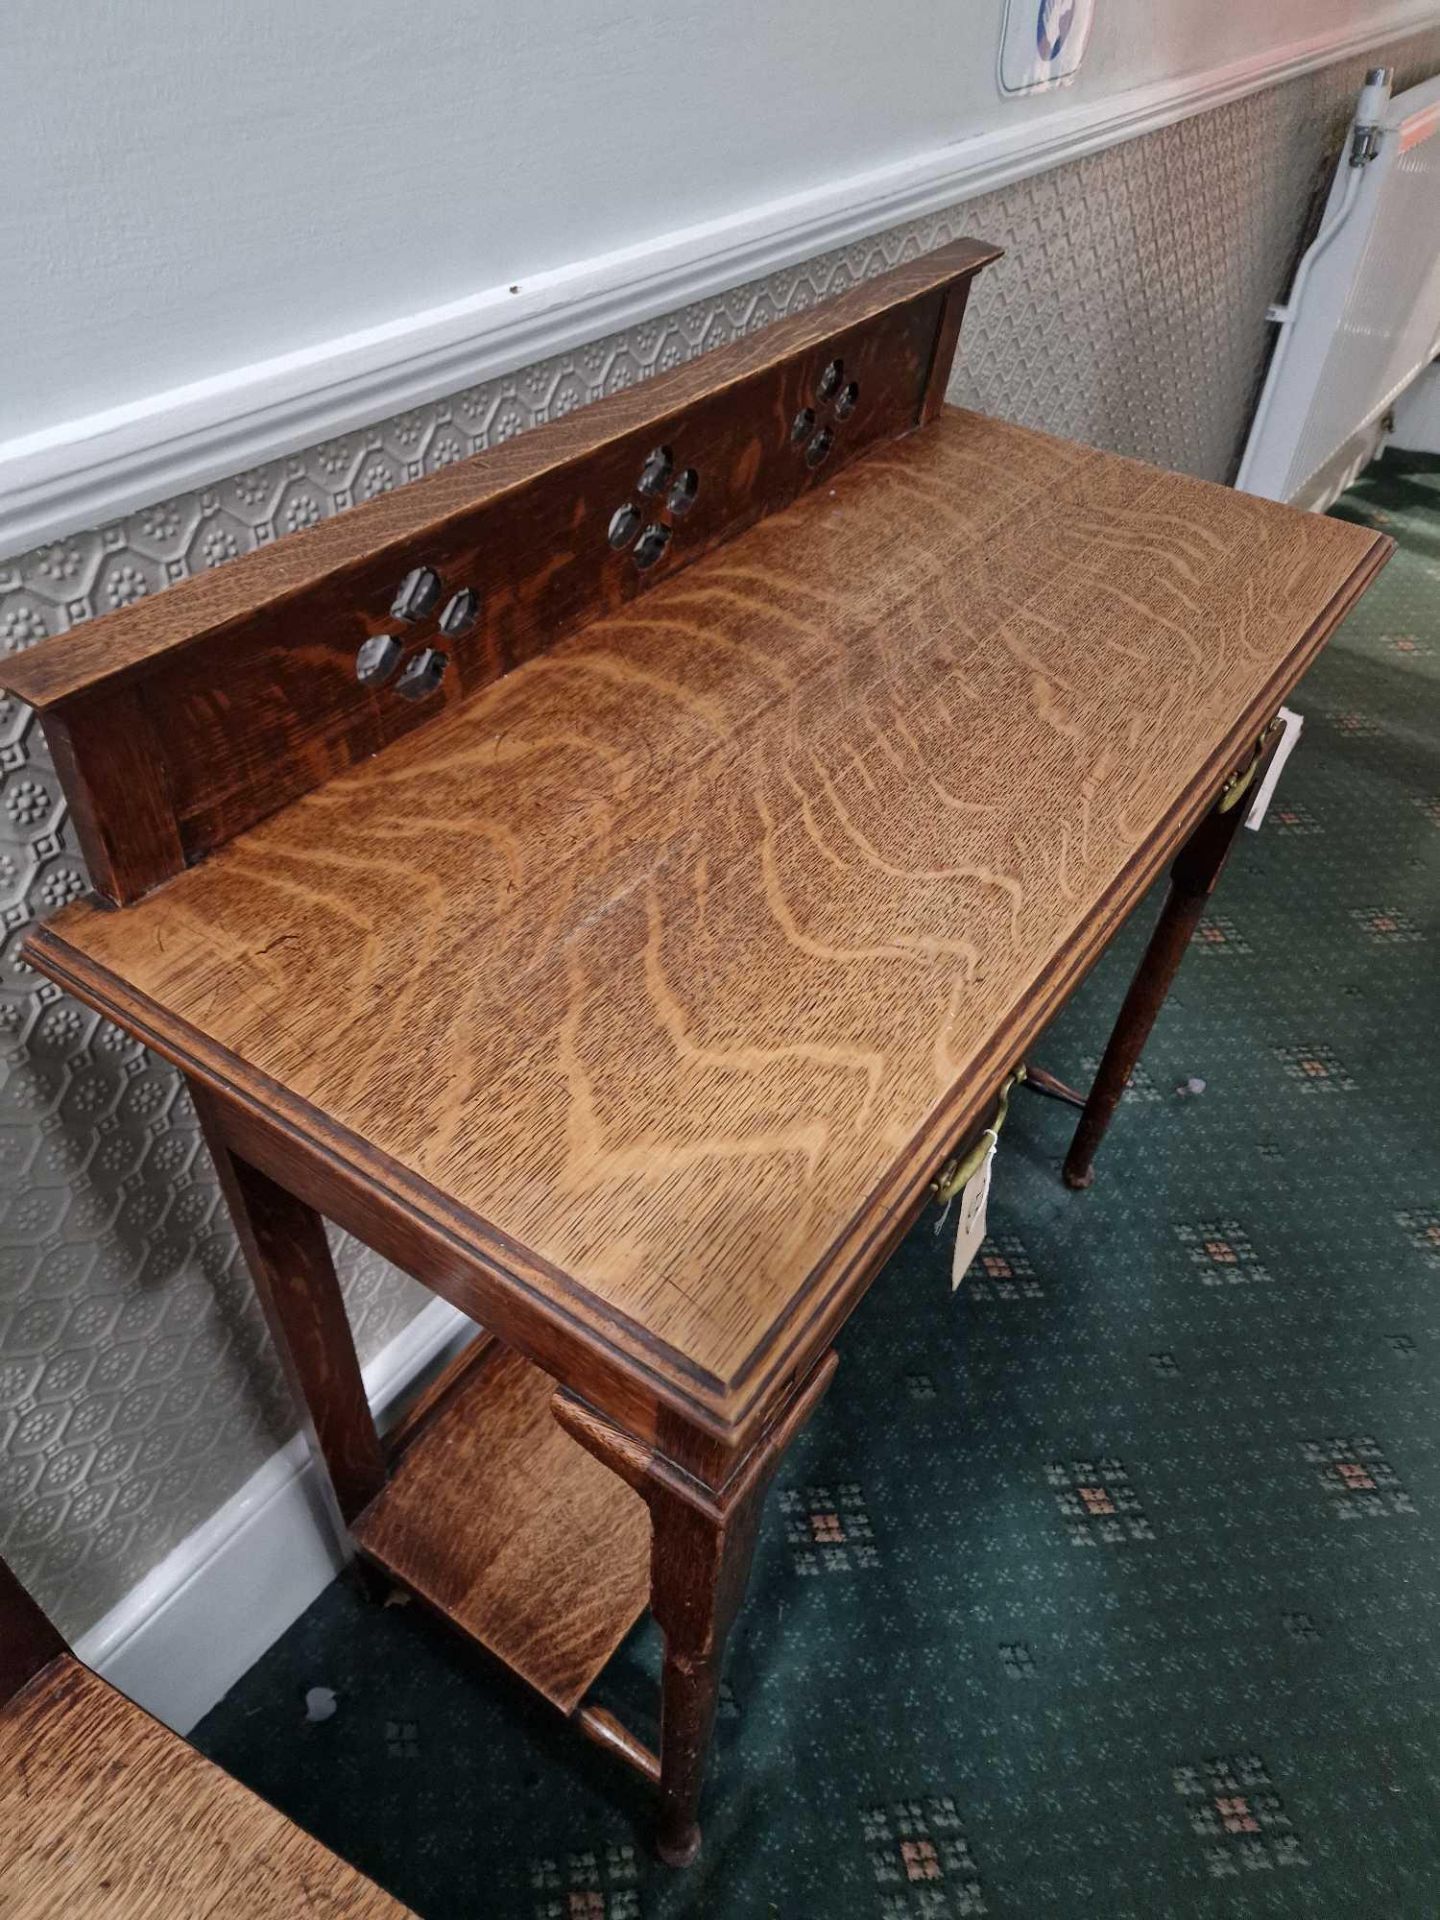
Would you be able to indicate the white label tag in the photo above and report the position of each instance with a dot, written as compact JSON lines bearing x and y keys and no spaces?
{"x":1291,"y":723}
{"x":970,"y":1228}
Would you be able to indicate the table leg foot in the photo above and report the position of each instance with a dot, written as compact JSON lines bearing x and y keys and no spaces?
{"x":372,"y":1584}
{"x":678,"y":1847}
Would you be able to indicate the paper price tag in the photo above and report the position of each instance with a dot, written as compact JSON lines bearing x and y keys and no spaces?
{"x":1291,"y":723}
{"x":970,"y":1228}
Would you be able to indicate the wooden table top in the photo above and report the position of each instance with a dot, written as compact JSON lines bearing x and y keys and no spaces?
{"x":666,"y":970}
{"x":104,"y":1812}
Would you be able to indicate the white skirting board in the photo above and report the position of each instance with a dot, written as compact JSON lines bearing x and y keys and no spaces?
{"x":183,"y":1636}
{"x":80,"y":473}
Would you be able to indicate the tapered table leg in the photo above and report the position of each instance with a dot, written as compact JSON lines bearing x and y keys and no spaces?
{"x":1193,"y":877}
{"x":285,"y":1247}
{"x":702,"y":1544}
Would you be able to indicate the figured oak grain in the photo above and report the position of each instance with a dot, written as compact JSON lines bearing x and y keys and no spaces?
{"x":667,"y":967}
{"x":106,"y":1815}
{"x":243,"y":693}
{"x":507,"y":1526}
{"x":110,"y":652}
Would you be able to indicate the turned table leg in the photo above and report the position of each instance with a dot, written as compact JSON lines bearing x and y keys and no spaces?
{"x":289,"y":1259}
{"x":1193,"y":877}
{"x":701,"y":1568}
{"x":702,"y":1543}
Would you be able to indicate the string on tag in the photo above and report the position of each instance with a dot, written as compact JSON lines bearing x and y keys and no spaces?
{"x":958,"y":1178}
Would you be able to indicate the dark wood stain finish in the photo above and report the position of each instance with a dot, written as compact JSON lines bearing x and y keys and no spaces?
{"x":289,"y":1259}
{"x":111,"y":767}
{"x":28,"y":1642}
{"x":242,"y":690}
{"x":633,"y":1001}
{"x":452,"y":1379}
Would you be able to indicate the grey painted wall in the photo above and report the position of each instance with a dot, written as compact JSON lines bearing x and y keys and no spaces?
{"x":136,"y":1388}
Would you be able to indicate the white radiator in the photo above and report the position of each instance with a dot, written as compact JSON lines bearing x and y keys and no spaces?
{"x":1363,"y":317}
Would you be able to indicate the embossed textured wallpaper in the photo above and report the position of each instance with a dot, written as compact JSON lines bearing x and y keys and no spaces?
{"x":137,"y":1391}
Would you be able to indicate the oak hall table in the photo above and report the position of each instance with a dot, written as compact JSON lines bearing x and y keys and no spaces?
{"x":611,"y":877}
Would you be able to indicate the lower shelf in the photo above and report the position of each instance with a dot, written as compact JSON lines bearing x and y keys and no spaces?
{"x":510,"y":1528}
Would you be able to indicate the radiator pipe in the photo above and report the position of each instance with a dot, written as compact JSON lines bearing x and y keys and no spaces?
{"x":1370,"y":115}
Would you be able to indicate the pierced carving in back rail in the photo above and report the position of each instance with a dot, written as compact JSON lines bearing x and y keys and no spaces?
{"x":242,"y":691}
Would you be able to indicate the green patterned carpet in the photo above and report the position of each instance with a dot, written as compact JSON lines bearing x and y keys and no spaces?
{"x":1110,"y":1586}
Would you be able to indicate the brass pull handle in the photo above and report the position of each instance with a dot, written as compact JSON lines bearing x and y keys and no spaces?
{"x":958,"y":1172}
